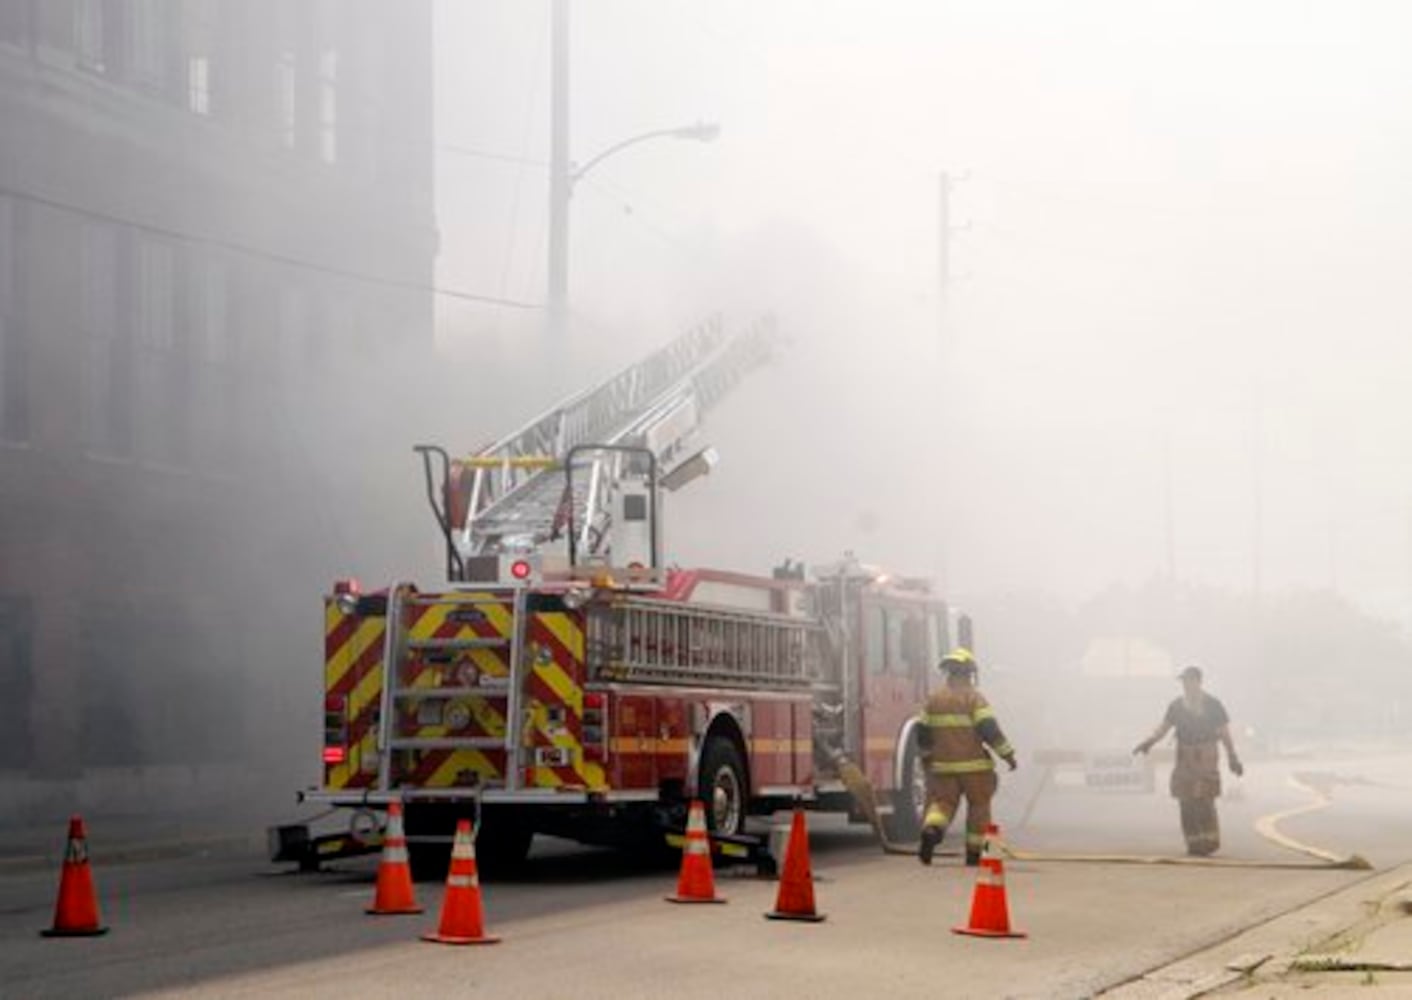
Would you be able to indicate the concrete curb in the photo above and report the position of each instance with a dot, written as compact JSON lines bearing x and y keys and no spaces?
{"x":135,"y":851}
{"x":1270,"y":945}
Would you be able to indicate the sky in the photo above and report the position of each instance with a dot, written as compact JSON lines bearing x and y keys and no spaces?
{"x":1176,"y":337}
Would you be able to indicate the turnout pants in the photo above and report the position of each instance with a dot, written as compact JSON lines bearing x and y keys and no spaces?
{"x":944,"y":795}
{"x":1195,"y":784}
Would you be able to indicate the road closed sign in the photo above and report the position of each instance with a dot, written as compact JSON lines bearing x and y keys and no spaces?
{"x":1118,"y":771}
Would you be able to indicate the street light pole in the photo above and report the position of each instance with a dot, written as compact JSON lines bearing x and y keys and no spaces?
{"x":559,"y":183}
{"x":563,"y":175}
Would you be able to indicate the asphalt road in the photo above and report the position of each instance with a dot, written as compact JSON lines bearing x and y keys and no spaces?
{"x":580,"y":923}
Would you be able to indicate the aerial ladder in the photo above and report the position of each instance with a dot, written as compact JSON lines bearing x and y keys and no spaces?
{"x":575,"y":489}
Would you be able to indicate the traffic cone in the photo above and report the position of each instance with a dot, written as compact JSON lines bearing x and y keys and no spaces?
{"x":990,"y":913}
{"x":795,"y":900}
{"x":76,"y":912}
{"x":394,"y":890}
{"x":462,"y":917}
{"x":696,"y":883}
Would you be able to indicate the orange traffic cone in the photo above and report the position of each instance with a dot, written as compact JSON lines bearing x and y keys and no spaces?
{"x":76,"y":912}
{"x":795,"y":900}
{"x":696,"y":883}
{"x":394,"y":891}
{"x":462,"y":917}
{"x":990,"y":913}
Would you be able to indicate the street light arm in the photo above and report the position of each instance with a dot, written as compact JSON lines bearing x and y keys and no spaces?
{"x":701,"y":132}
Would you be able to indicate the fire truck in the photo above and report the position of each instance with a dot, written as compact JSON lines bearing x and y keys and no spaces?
{"x":564,"y":680}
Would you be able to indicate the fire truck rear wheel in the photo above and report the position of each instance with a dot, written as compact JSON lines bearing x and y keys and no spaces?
{"x":503,"y":844}
{"x":722,"y":786}
{"x":429,"y":862}
{"x":909,"y":801}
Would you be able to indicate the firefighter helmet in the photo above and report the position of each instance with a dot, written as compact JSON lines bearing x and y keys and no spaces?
{"x":958,"y":661}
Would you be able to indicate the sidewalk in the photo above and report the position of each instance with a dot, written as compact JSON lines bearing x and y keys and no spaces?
{"x":126,"y":839}
{"x":1354,"y":942}
{"x":141,"y":812}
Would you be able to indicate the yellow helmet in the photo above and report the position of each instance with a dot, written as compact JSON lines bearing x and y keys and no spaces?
{"x":958,"y":661}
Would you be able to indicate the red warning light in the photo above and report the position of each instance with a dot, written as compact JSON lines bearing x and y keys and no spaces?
{"x":520,"y":569}
{"x":335,"y":755}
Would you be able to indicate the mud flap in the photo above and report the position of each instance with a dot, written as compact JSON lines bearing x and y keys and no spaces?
{"x":735,"y":849}
{"x":294,"y":843}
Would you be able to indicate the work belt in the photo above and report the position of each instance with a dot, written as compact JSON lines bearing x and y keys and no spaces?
{"x":961,"y":766}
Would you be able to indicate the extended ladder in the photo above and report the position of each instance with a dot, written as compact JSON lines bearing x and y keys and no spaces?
{"x":511,"y":496}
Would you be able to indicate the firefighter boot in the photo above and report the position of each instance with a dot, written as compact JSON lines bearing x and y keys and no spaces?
{"x":931,"y":838}
{"x":975,"y":844}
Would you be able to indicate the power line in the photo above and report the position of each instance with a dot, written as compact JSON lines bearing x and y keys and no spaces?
{"x":279,"y":258}
{"x":615,"y":194}
{"x":486,"y":154}
{"x":529,"y":121}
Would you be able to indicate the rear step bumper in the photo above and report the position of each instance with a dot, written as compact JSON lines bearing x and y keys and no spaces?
{"x":489,"y":796}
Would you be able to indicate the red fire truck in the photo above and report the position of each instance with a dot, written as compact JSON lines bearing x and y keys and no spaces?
{"x":564,"y":681}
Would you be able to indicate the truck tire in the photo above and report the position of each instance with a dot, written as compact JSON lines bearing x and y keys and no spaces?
{"x":909,"y":801}
{"x":429,"y":862}
{"x":503,"y":844}
{"x":721,"y":786}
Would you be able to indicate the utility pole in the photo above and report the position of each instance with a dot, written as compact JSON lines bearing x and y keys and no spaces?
{"x":1257,"y":462}
{"x":943,"y":247}
{"x":1170,"y":507}
{"x":558,"y":303}
{"x":945,"y":408}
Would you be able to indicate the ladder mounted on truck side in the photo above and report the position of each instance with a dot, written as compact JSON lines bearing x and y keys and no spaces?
{"x":561,"y":493}
{"x":652,"y":641}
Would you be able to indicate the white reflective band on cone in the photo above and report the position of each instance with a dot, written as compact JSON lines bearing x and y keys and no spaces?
{"x":395,"y":855}
{"x":462,"y":881}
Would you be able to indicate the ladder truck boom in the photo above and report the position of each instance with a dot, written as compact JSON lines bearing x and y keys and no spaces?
{"x":513,"y":500}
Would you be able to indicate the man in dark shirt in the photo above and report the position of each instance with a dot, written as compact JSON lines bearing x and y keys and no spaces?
{"x":1201,"y":724}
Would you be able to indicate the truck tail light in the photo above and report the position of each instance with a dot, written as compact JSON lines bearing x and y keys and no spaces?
{"x":335,"y":730}
{"x":595,"y":726}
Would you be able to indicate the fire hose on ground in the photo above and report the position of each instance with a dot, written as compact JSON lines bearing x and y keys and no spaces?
{"x":864,"y":795}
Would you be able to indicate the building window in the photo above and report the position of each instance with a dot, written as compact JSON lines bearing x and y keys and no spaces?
{"x":14,"y":366}
{"x":198,"y":84}
{"x":213,"y":415}
{"x":293,"y":332}
{"x":328,"y":106}
{"x":162,"y":422}
{"x":208,"y":321}
{"x":16,"y":23}
{"x":148,"y":41}
{"x":200,"y":36}
{"x":107,"y":395}
{"x":288,"y":100}
{"x":17,"y":676}
{"x":89,"y":35}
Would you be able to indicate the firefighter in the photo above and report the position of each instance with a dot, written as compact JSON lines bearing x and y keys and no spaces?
{"x":1201,"y":724}
{"x":957,"y":727}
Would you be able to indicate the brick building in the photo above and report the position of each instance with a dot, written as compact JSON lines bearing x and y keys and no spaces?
{"x":206,"y":208}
